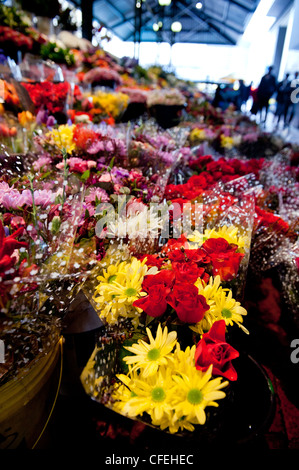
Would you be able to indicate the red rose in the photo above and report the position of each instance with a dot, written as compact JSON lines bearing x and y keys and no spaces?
{"x":212,"y":349}
{"x":188,"y":304}
{"x":186,"y":272}
{"x":224,"y":259}
{"x":175,"y":244}
{"x":217,"y":245}
{"x":226,"y":265}
{"x":152,"y":260}
{"x":154,"y":304}
{"x":158,"y":286}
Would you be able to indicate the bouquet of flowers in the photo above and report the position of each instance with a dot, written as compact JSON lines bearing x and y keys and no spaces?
{"x":163,"y":357}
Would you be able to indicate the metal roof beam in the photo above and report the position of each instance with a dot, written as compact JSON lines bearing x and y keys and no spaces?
{"x":241,"y":5}
{"x":202,"y":16}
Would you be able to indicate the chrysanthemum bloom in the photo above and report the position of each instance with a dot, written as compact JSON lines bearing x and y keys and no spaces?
{"x":230,"y":234}
{"x":195,"y":391}
{"x":152,"y":395}
{"x":209,"y":291}
{"x":118,"y":289}
{"x":148,"y":357}
{"x":228,"y":309}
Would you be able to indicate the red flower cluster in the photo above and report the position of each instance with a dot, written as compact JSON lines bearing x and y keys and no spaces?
{"x":165,"y":288}
{"x":268,"y":219}
{"x":48,"y":95}
{"x":224,"y":258}
{"x":213,"y":349}
{"x":7,"y":247}
{"x":19,"y":40}
{"x":226,"y":169}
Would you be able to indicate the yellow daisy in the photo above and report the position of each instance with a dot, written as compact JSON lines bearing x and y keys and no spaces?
{"x":118,"y":289}
{"x":149,"y":356}
{"x":228,"y":309}
{"x":194,"y":392}
{"x":183,"y":359}
{"x":230,"y":234}
{"x":151,"y":395}
{"x":209,"y":291}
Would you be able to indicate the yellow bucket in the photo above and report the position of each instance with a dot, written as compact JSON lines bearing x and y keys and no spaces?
{"x":27,"y":401}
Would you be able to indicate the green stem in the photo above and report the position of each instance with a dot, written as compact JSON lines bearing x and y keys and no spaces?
{"x":33,"y":202}
{"x":65,"y":175}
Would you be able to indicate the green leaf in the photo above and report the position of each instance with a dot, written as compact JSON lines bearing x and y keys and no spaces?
{"x":85,"y":175}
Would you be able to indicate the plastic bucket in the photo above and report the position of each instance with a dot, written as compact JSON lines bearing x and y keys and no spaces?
{"x":27,"y":401}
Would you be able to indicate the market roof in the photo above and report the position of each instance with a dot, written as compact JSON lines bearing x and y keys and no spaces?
{"x":215,"y":22}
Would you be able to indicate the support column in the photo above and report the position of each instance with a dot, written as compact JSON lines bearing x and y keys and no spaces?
{"x":87,"y":17}
{"x":279,"y":49}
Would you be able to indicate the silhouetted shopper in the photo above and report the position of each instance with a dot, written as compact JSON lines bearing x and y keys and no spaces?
{"x":265,"y":91}
{"x":283,"y":99}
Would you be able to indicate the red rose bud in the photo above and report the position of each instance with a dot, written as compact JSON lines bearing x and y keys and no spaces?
{"x":213,"y":349}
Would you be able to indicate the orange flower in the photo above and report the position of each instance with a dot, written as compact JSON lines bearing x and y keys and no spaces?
{"x":26,"y":118}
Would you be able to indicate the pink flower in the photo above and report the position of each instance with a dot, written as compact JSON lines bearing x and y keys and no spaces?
{"x":97,"y":193}
{"x":13,"y":199}
{"x":42,"y":162}
{"x":77,"y":165}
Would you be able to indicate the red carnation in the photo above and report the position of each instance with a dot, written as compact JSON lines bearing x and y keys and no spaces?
{"x":213,"y":349}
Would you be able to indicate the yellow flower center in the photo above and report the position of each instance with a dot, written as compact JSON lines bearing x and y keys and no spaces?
{"x":112,"y":278}
{"x":153,"y":354}
{"x":194,"y":396}
{"x":158,"y":394}
{"x":226,"y":313}
{"x":131,"y":292}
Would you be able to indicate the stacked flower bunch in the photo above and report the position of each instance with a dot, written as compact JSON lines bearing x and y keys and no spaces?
{"x":163,"y":357}
{"x":50,"y":97}
{"x":165,"y":96}
{"x":104,"y":105}
{"x":17,"y":33}
{"x":102,"y":76}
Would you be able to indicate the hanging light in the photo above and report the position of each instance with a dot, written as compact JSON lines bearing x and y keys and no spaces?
{"x":176,"y":27}
{"x":199,"y":5}
{"x":164,"y":3}
{"x":155,"y":27}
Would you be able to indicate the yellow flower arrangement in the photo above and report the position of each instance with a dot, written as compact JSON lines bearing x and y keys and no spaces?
{"x":174,"y":394}
{"x":62,"y":137}
{"x":197,"y":135}
{"x":111,"y":104}
{"x":119,"y":286}
{"x":227,"y":142}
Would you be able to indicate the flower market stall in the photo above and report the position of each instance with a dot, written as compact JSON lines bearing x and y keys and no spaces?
{"x":148,"y":259}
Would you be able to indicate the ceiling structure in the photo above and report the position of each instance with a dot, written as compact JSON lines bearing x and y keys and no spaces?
{"x":214,"y":22}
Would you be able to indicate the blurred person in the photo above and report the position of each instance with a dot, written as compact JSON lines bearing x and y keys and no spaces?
{"x":242,"y":95}
{"x":265,"y":91}
{"x":283,"y":97}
